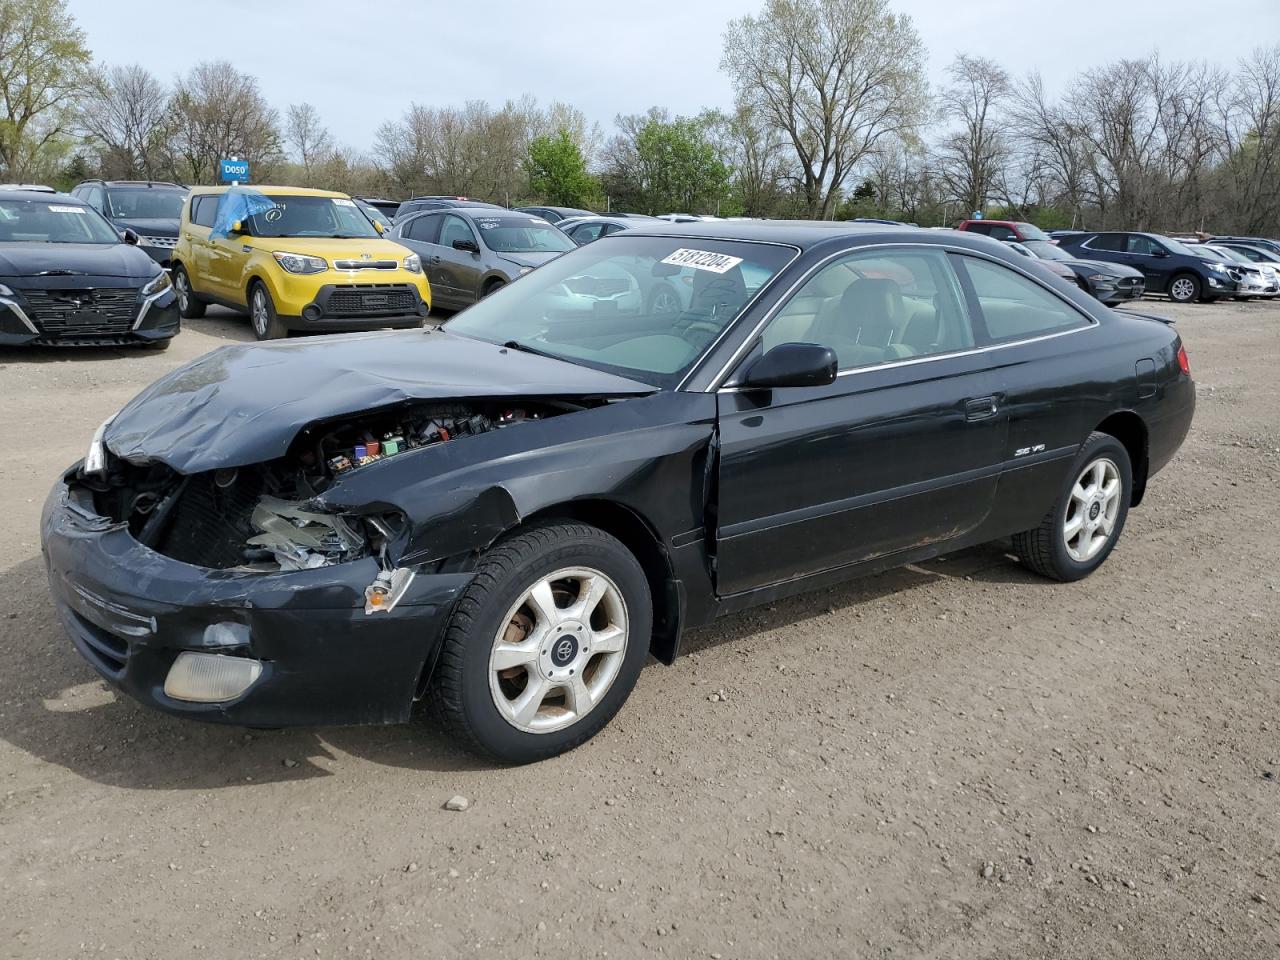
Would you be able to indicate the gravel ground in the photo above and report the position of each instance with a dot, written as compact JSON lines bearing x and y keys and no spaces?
{"x":956,"y":759}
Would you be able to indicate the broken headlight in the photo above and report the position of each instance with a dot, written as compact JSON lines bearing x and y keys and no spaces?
{"x":300,"y":537}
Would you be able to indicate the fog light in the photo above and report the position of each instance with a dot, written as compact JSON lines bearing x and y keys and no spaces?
{"x":210,"y":677}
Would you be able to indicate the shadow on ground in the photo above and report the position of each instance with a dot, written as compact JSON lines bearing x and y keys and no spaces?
{"x":55,"y":707}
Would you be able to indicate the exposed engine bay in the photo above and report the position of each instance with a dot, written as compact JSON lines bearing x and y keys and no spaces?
{"x":264,"y":517}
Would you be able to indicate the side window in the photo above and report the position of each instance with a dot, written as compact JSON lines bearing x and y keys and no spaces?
{"x":454,"y":228}
{"x":423,"y":228}
{"x":984,"y":228}
{"x":587,"y":232}
{"x":1106,"y":241}
{"x":204,"y":210}
{"x":1143,"y":245}
{"x":1002,"y":233}
{"x":875,"y":307}
{"x":94,"y":196}
{"x":1014,"y":307}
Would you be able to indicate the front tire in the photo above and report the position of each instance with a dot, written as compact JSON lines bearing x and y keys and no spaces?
{"x":189,"y":308}
{"x":545,"y":644}
{"x":1184,"y":288}
{"x":267,"y":325}
{"x":1080,"y":531}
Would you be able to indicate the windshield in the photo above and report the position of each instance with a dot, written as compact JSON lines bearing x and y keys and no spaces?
{"x":145,"y":203}
{"x":1181,"y":249}
{"x":1030,"y":231}
{"x":643,"y":307}
{"x":311,"y":217}
{"x":522,"y":235}
{"x":1047,"y":250}
{"x":1226,"y":253}
{"x":56,"y":221}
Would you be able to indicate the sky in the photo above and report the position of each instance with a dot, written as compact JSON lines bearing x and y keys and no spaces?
{"x":604,"y":56}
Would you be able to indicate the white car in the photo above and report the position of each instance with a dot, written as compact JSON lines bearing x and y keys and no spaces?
{"x":1267,"y":281}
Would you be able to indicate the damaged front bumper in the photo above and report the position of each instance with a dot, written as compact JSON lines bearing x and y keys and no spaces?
{"x":131,"y":612}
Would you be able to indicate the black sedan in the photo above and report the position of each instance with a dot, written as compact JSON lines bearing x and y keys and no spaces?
{"x":507,"y":515}
{"x":1111,"y":283}
{"x":68,"y":279}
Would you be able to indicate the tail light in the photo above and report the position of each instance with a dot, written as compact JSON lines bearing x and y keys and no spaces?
{"x":1183,"y":363}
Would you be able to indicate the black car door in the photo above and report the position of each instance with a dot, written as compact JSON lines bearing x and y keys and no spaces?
{"x":902,"y":450}
{"x":1045,"y":353}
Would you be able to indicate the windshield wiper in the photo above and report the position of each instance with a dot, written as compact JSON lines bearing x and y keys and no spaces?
{"x":525,"y":348}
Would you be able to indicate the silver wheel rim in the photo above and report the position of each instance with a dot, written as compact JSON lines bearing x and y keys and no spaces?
{"x":558,"y":651}
{"x":664,"y":301}
{"x":183,"y":295}
{"x":259,"y":312}
{"x":1092,"y":510}
{"x":1183,"y":289}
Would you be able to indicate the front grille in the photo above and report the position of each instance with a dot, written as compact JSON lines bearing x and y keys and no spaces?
{"x":371,"y":300}
{"x":104,"y":649}
{"x":365,"y":265}
{"x":82,"y":313}
{"x":209,"y":524}
{"x":167,"y":242}
{"x":1130,"y":281}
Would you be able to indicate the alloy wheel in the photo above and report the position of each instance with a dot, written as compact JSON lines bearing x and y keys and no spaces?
{"x":559,"y":650}
{"x":1183,"y":289}
{"x":184,"y":291}
{"x":665,"y":301}
{"x":1092,"y":510}
{"x":258,"y":312}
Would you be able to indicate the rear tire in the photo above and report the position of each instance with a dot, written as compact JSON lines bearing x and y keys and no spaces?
{"x":501,"y":687}
{"x":262,"y":314}
{"x":189,"y":308}
{"x":1082,"y":528}
{"x":1184,"y":288}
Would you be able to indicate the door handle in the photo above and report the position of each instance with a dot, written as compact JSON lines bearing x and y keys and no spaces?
{"x":983,"y":408}
{"x":434,"y":261}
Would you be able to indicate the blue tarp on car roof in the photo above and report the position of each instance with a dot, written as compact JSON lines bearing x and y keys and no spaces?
{"x":239,"y":203}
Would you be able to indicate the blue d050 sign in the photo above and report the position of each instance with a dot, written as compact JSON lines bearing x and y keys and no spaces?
{"x":235,"y":170}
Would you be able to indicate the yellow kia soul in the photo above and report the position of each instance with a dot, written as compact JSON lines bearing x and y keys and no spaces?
{"x":295,"y":259}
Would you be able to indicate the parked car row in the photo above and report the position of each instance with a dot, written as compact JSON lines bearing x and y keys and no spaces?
{"x":1120,"y":265}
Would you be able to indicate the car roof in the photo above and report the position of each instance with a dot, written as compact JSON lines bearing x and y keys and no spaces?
{"x":278,"y":191}
{"x":806,"y":234}
{"x":161,"y":184}
{"x":43,"y":195}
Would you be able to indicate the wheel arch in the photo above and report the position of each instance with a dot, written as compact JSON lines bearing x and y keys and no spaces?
{"x":639,"y":536}
{"x":1131,"y":430}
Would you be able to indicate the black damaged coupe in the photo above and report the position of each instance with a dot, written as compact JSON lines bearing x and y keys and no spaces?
{"x":505,"y":516}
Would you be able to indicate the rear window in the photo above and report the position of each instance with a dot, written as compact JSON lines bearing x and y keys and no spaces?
{"x":1030,"y":231}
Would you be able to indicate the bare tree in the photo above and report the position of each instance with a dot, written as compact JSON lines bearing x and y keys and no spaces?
{"x":125,"y":112}
{"x":971,"y":159}
{"x":43,"y":67}
{"x":1250,"y":176}
{"x":836,"y":76}
{"x":219,"y":112}
{"x":306,"y":133}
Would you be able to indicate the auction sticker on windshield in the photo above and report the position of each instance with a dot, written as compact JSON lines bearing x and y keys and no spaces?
{"x":55,"y":209}
{"x":702,"y":260}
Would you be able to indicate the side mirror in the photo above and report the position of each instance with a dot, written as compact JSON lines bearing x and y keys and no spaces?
{"x":1160,"y":252}
{"x":468,"y":245}
{"x":377,"y":225}
{"x":130,"y":237}
{"x":793,"y":365}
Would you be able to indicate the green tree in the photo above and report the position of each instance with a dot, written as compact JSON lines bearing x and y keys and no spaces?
{"x":660,"y":165}
{"x":837,"y":77}
{"x":557,"y":171}
{"x":43,"y":68}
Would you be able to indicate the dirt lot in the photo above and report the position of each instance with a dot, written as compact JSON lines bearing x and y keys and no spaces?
{"x":1110,"y":748}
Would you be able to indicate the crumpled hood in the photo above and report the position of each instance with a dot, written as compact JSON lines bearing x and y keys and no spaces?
{"x":245,"y":403}
{"x":90,"y":259}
